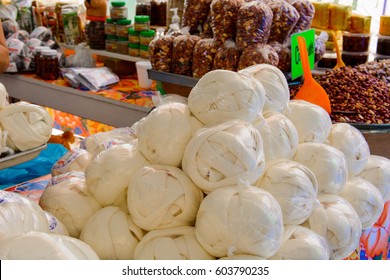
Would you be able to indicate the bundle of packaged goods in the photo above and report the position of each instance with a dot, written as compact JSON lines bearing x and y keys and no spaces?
{"x":237,"y":171}
{"x":232,"y":35}
{"x":352,"y":33}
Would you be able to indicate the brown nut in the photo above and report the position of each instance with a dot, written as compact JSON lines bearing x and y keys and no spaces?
{"x":160,"y":53}
{"x":227,"y":56}
{"x":182,"y":53}
{"x":195,"y":13}
{"x":203,"y":57}
{"x":258,"y":54}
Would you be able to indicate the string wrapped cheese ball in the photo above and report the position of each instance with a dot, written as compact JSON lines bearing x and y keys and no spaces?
{"x":301,"y":243}
{"x":293,"y":186}
{"x":69,"y":201}
{"x":55,"y":225}
{"x":101,"y":141}
{"x":336,"y":220}
{"x":162,"y":197}
{"x":19,"y":214}
{"x":280,"y":137}
{"x":112,"y":234}
{"x":312,"y":122}
{"x":35,"y":245}
{"x":365,"y":198}
{"x":110,"y":172}
{"x":74,"y":160}
{"x":29,"y":126}
{"x":222,"y":95}
{"x":177,"y":243}
{"x":3,"y":96}
{"x":165,"y":134}
{"x":226,"y":154}
{"x":377,"y":172}
{"x":277,"y":92}
{"x":352,"y":143}
{"x":327,"y":163}
{"x":239,"y":220}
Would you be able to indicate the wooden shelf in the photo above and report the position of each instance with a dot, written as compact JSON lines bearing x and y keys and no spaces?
{"x":80,"y":103}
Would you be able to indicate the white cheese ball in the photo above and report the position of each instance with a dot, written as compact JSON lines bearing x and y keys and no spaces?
{"x":162,"y":197}
{"x":19,"y":214}
{"x":327,"y":163}
{"x":226,"y":154}
{"x":338,"y":221}
{"x":112,"y":234}
{"x":74,"y":160}
{"x":177,"y":243}
{"x":352,"y":143}
{"x":165,"y":133}
{"x":294,"y":186}
{"x":365,"y":198}
{"x":222,"y":95}
{"x":110,"y":172}
{"x":70,"y":201}
{"x":300,"y":243}
{"x":377,"y":172}
{"x":312,"y":122}
{"x":35,"y":245}
{"x":239,"y":220}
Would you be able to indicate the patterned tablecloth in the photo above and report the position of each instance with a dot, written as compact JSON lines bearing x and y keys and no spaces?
{"x":374,"y":242}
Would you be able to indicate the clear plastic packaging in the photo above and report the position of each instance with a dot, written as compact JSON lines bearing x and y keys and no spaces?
{"x":122,"y":28}
{"x":143,"y":8}
{"x":340,"y":17}
{"x":110,"y":27}
{"x":160,"y":51}
{"x":146,"y":36}
{"x":195,"y":13}
{"x":285,"y":17}
{"x":141,"y":22}
{"x":75,"y":160}
{"x":320,"y":45}
{"x":133,"y":36}
{"x":258,"y":54}
{"x":203,"y":57}
{"x":224,"y":18}
{"x":133,"y":49}
{"x":227,"y":56}
{"x":50,"y":65}
{"x":254,"y":20}
{"x":383,"y":45}
{"x":110,"y":43}
{"x":118,"y":10}
{"x":356,"y":42}
{"x":95,"y":78}
{"x":306,"y":11}
{"x":360,"y":24}
{"x":284,"y":53}
{"x":122,"y":46}
{"x":329,"y":60}
{"x":354,"y":58}
{"x":144,"y":52}
{"x":182,"y":53}
{"x":384,"y":25}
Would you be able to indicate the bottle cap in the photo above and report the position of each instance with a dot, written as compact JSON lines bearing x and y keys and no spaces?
{"x":147,"y":33}
{"x":118,"y":4}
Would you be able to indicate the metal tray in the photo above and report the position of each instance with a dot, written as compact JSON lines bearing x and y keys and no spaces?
{"x":20,"y":157}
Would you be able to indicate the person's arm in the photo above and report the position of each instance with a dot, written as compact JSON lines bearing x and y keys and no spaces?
{"x":4,"y":56}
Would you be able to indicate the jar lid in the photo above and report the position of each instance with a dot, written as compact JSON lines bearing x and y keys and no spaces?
{"x":124,"y":22}
{"x":123,"y":39}
{"x":147,"y":33}
{"x":356,"y":53}
{"x":110,"y":37}
{"x":349,"y":34}
{"x":143,"y":47}
{"x":132,"y":31}
{"x":133,"y":46}
{"x":110,"y":20}
{"x":118,"y":4}
{"x":141,"y":18}
{"x":41,"y":48}
{"x":49,"y":52}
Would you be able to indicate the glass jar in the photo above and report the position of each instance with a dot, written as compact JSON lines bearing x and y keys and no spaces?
{"x":96,"y":35}
{"x":144,"y":51}
{"x":122,"y":46}
{"x":110,"y":27}
{"x":143,"y":8}
{"x":158,"y":12}
{"x":122,"y":28}
{"x":37,"y":59}
{"x":50,"y":65}
{"x":118,"y":10}
{"x":111,"y":43}
{"x":133,"y":49}
{"x":133,"y":36}
{"x":146,"y":36}
{"x":141,"y":23}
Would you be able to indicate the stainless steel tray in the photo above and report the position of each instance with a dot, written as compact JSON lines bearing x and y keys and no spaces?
{"x":20,"y":157}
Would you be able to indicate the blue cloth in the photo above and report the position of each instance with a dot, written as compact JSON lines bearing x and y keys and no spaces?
{"x":39,"y":166}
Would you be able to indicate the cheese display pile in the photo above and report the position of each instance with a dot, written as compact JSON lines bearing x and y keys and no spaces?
{"x":23,"y":126}
{"x":238,"y":172}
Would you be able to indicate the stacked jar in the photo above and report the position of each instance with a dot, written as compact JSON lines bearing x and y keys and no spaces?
{"x":122,"y":33}
{"x":145,"y":37}
{"x":134,"y":42}
{"x":356,"y":42}
{"x":383,"y":43}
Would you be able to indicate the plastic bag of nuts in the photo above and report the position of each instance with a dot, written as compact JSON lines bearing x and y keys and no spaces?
{"x":306,"y":14}
{"x":207,"y":31}
{"x":258,"y":54}
{"x":195,"y":13}
{"x":203,"y":57}
{"x":224,"y":18}
{"x":183,"y":46}
{"x":285,"y":17}
{"x":254,"y":20}
{"x":227,"y":56}
{"x":160,"y":53}
{"x":320,"y":45}
{"x":284,"y":53}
